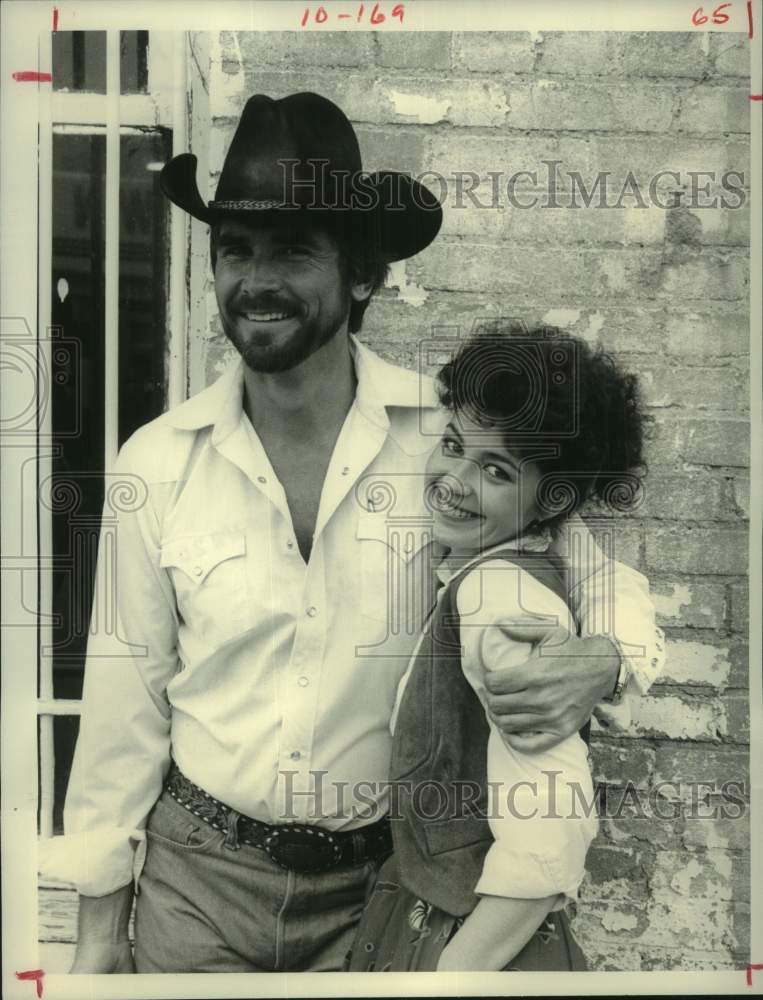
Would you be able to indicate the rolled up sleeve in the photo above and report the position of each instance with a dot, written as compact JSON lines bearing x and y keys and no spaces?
{"x":123,"y":747}
{"x":612,"y":600}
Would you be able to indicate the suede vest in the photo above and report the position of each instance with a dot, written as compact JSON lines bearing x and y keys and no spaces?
{"x":438,"y":769}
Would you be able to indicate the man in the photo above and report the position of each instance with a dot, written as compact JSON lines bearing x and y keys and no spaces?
{"x":248,"y":732}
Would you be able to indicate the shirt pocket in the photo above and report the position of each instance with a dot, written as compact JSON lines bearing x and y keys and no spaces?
{"x":395,"y":577}
{"x":210,"y":581}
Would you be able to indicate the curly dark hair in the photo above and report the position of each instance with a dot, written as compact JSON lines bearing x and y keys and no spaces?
{"x":560,"y":403}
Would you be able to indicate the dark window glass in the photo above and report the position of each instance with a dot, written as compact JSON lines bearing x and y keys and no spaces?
{"x":79,"y":61}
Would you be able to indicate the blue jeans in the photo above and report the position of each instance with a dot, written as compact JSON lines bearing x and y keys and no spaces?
{"x":209,"y":904}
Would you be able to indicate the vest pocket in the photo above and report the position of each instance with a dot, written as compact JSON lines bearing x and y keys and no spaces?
{"x":455,"y":833}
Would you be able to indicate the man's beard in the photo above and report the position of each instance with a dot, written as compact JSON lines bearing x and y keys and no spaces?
{"x":280,"y":356}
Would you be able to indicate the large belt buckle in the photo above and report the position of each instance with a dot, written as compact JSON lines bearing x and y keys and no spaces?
{"x":302,"y":848}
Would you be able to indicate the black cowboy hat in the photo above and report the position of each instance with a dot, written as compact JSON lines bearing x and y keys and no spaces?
{"x":301,"y":153}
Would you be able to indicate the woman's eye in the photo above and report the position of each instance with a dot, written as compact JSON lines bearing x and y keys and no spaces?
{"x":496,"y":472}
{"x":451,"y":447}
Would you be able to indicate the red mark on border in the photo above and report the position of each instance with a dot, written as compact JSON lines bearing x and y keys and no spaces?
{"x":756,"y":97}
{"x":55,"y":18}
{"x":37,"y":975}
{"x":749,"y":972}
{"x":749,"y":18}
{"x":29,"y":76}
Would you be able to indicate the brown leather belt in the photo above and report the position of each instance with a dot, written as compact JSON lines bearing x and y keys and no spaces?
{"x":295,"y":846}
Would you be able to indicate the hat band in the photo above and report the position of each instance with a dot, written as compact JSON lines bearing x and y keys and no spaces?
{"x":246,"y":203}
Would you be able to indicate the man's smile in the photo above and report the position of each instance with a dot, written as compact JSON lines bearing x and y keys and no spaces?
{"x":265,"y":317}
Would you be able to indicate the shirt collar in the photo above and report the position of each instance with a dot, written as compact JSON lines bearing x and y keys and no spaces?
{"x":537,"y":541}
{"x":380,"y":386}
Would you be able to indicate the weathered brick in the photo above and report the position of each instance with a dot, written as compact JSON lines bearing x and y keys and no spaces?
{"x":678,"y":716}
{"x":686,"y":765}
{"x":739,"y":676}
{"x":607,"y":864}
{"x":692,"y":662}
{"x":740,"y":488}
{"x":689,"y":496}
{"x":737,"y":717}
{"x":508,"y":155}
{"x":689,"y":549}
{"x":680,"y":958}
{"x":672,"y":153}
{"x":721,"y":833}
{"x":298,"y":49}
{"x":615,"y":764}
{"x":494,"y":51}
{"x":716,"y":442}
{"x":557,"y":104}
{"x":740,"y":606}
{"x":708,"y":110}
{"x":714,"y":276}
{"x":578,"y":274}
{"x":673,"y":919}
{"x":673,"y":439}
{"x":716,"y":388}
{"x":703,"y":876}
{"x":392,"y":149}
{"x":730,"y":54}
{"x":688,"y":603}
{"x":413,"y":50}
{"x":660,"y":833}
{"x":708,"y":334}
{"x":639,"y":54}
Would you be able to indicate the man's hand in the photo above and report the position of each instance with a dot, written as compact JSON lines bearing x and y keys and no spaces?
{"x":98,"y":957}
{"x":102,"y":942}
{"x":553,"y":694}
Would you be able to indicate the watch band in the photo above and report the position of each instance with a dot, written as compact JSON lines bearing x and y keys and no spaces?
{"x":623,"y":676}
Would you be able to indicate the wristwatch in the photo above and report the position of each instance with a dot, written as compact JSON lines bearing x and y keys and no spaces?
{"x":623,"y":676}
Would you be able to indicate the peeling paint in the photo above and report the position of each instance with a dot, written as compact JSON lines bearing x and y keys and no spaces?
{"x":426,"y":110}
{"x":410,"y":293}
{"x":677,"y":719}
{"x":614,"y":921}
{"x":671,"y":605}
{"x":697,"y":663}
{"x":563,"y":318}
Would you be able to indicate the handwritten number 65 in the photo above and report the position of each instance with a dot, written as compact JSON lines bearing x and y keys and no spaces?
{"x":699,"y":17}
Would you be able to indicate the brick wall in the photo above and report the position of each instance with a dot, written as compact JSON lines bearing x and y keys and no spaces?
{"x":664,"y":290}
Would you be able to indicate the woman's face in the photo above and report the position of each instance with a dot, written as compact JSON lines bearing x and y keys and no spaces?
{"x":480,"y":492}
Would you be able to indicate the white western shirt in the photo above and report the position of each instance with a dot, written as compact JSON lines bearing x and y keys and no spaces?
{"x":270,"y":682}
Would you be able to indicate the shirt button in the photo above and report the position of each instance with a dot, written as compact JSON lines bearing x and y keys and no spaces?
{"x":345,"y":470}
{"x":290,"y":545}
{"x":261,"y":479}
{"x":295,"y":755}
{"x":303,"y":682}
{"x":197,"y":570}
{"x":312,"y":612}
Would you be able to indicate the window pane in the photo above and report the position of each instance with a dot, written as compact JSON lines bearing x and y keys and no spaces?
{"x":79,"y":61}
{"x":144,"y":238}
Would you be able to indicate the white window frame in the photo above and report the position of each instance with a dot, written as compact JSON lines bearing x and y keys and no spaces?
{"x":164,"y":104}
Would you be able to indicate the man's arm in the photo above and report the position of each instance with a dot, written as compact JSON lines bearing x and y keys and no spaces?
{"x":123,"y":744}
{"x":557,"y":689}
